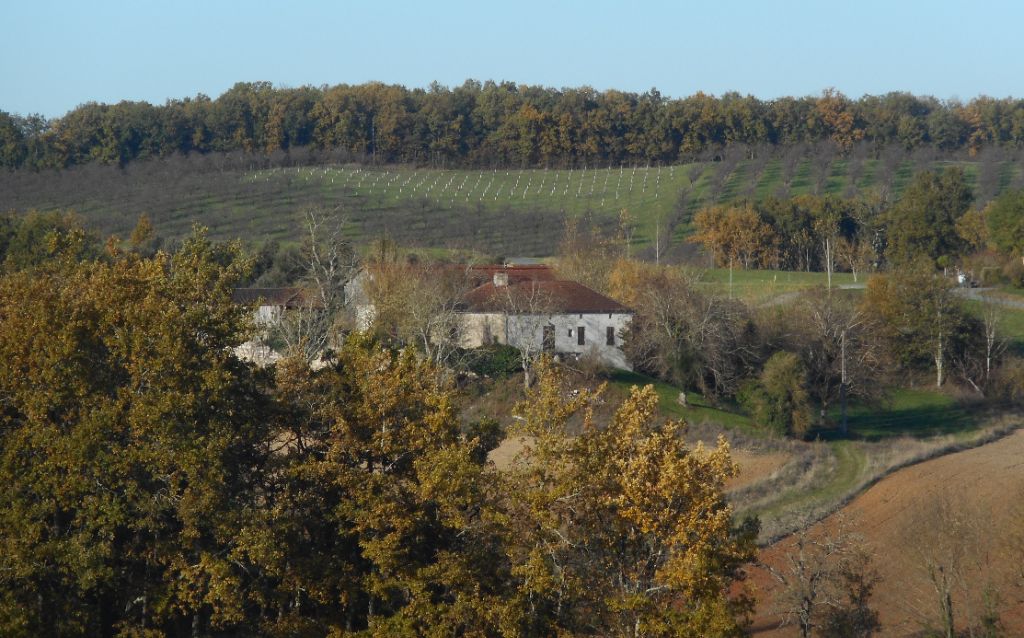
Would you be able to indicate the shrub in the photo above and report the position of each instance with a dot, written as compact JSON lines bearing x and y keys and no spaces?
{"x":1008,"y":382}
{"x":496,"y":361}
{"x":1013,"y":271}
{"x":778,"y":399}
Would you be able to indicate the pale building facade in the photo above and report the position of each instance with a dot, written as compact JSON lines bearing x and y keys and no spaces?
{"x":561,"y":317}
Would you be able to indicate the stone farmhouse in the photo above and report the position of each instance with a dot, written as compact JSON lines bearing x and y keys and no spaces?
{"x":272,"y":302}
{"x":525,"y":306}
{"x":543,"y":313}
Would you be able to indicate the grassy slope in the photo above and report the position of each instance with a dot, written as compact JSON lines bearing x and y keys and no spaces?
{"x":513,"y":211}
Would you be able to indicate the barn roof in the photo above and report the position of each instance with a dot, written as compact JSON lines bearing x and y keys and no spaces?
{"x":541,"y":297}
{"x":483,"y":273}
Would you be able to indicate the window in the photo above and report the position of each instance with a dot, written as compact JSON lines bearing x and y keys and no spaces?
{"x":580,"y":339}
{"x":549,"y":338}
{"x":610,"y":335}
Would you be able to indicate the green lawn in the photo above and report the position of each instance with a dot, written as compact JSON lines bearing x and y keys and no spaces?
{"x":1010,"y":290}
{"x":698,"y":410}
{"x":849,"y":470}
{"x":759,"y":286}
{"x":905,"y":412}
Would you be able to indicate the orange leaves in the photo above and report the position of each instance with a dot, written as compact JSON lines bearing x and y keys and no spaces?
{"x":623,"y":520}
{"x":736,"y":235}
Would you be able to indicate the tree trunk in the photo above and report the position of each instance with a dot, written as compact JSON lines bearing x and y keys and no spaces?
{"x":842,"y":386}
{"x":947,"y":614}
{"x":828,"y":262}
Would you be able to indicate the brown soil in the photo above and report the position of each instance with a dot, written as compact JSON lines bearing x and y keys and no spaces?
{"x":503,"y":455}
{"x":980,"y":492}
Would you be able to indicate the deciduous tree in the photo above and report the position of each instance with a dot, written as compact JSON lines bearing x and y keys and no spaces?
{"x":129,"y":444}
{"x":778,"y":400}
{"x":621,"y":530}
{"x":923,"y":221}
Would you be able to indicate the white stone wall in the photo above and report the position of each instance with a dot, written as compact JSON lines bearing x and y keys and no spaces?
{"x":482,"y":328}
{"x":268,"y":315}
{"x":528,"y":331}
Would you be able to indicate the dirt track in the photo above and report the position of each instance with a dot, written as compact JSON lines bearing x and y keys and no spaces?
{"x":978,"y":492}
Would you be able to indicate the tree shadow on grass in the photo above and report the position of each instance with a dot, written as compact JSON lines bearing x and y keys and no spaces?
{"x":915,"y":414}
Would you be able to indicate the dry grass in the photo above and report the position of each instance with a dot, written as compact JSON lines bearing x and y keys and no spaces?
{"x":821,"y":478}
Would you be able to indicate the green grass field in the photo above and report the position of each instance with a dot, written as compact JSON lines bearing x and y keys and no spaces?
{"x":506,"y":211}
{"x":698,"y":410}
{"x":918,"y":413}
{"x":766,"y":286}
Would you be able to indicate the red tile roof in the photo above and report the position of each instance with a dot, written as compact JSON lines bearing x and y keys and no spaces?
{"x":480,"y":274}
{"x":541,"y":297}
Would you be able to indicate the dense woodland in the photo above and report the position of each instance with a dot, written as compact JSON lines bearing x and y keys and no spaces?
{"x":498,"y":124}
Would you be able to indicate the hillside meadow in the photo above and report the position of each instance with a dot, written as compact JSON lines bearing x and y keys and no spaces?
{"x":499,"y":211}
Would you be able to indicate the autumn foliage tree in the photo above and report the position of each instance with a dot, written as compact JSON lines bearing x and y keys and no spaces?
{"x":129,"y":444}
{"x":623,"y":529}
{"x":736,"y":235}
{"x":379,"y":520}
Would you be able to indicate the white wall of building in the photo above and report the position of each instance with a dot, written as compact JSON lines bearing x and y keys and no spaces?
{"x":528,"y":331}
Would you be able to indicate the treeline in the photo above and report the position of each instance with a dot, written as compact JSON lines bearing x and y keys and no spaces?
{"x":491,"y":124}
{"x":155,"y":484}
{"x":933,"y":219}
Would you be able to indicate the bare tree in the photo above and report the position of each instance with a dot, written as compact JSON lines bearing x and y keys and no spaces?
{"x":856,"y":254}
{"x":417,"y":304}
{"x":433,"y":297}
{"x":827,"y":581}
{"x":527,"y":308}
{"x":821,"y":164}
{"x":330,"y":263}
{"x":855,"y":169}
{"x":585,"y":254}
{"x":681,"y":335}
{"x":995,"y":341}
{"x":942,"y":536}
{"x":791,"y":160}
{"x":839,"y":350}
{"x":756,"y":168}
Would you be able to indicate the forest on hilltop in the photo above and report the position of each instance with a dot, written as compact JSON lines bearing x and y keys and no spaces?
{"x":498,"y":124}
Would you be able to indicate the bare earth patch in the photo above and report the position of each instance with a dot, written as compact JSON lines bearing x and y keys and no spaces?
{"x":963,"y":507}
{"x":503,"y":455}
{"x":755,"y":467}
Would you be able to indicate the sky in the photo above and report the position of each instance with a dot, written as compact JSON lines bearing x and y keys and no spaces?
{"x":57,"y":55}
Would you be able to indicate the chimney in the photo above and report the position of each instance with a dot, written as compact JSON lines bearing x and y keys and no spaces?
{"x":500,"y":279}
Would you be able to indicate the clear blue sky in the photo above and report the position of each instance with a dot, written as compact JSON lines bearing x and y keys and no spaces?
{"x":56,"y":55}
